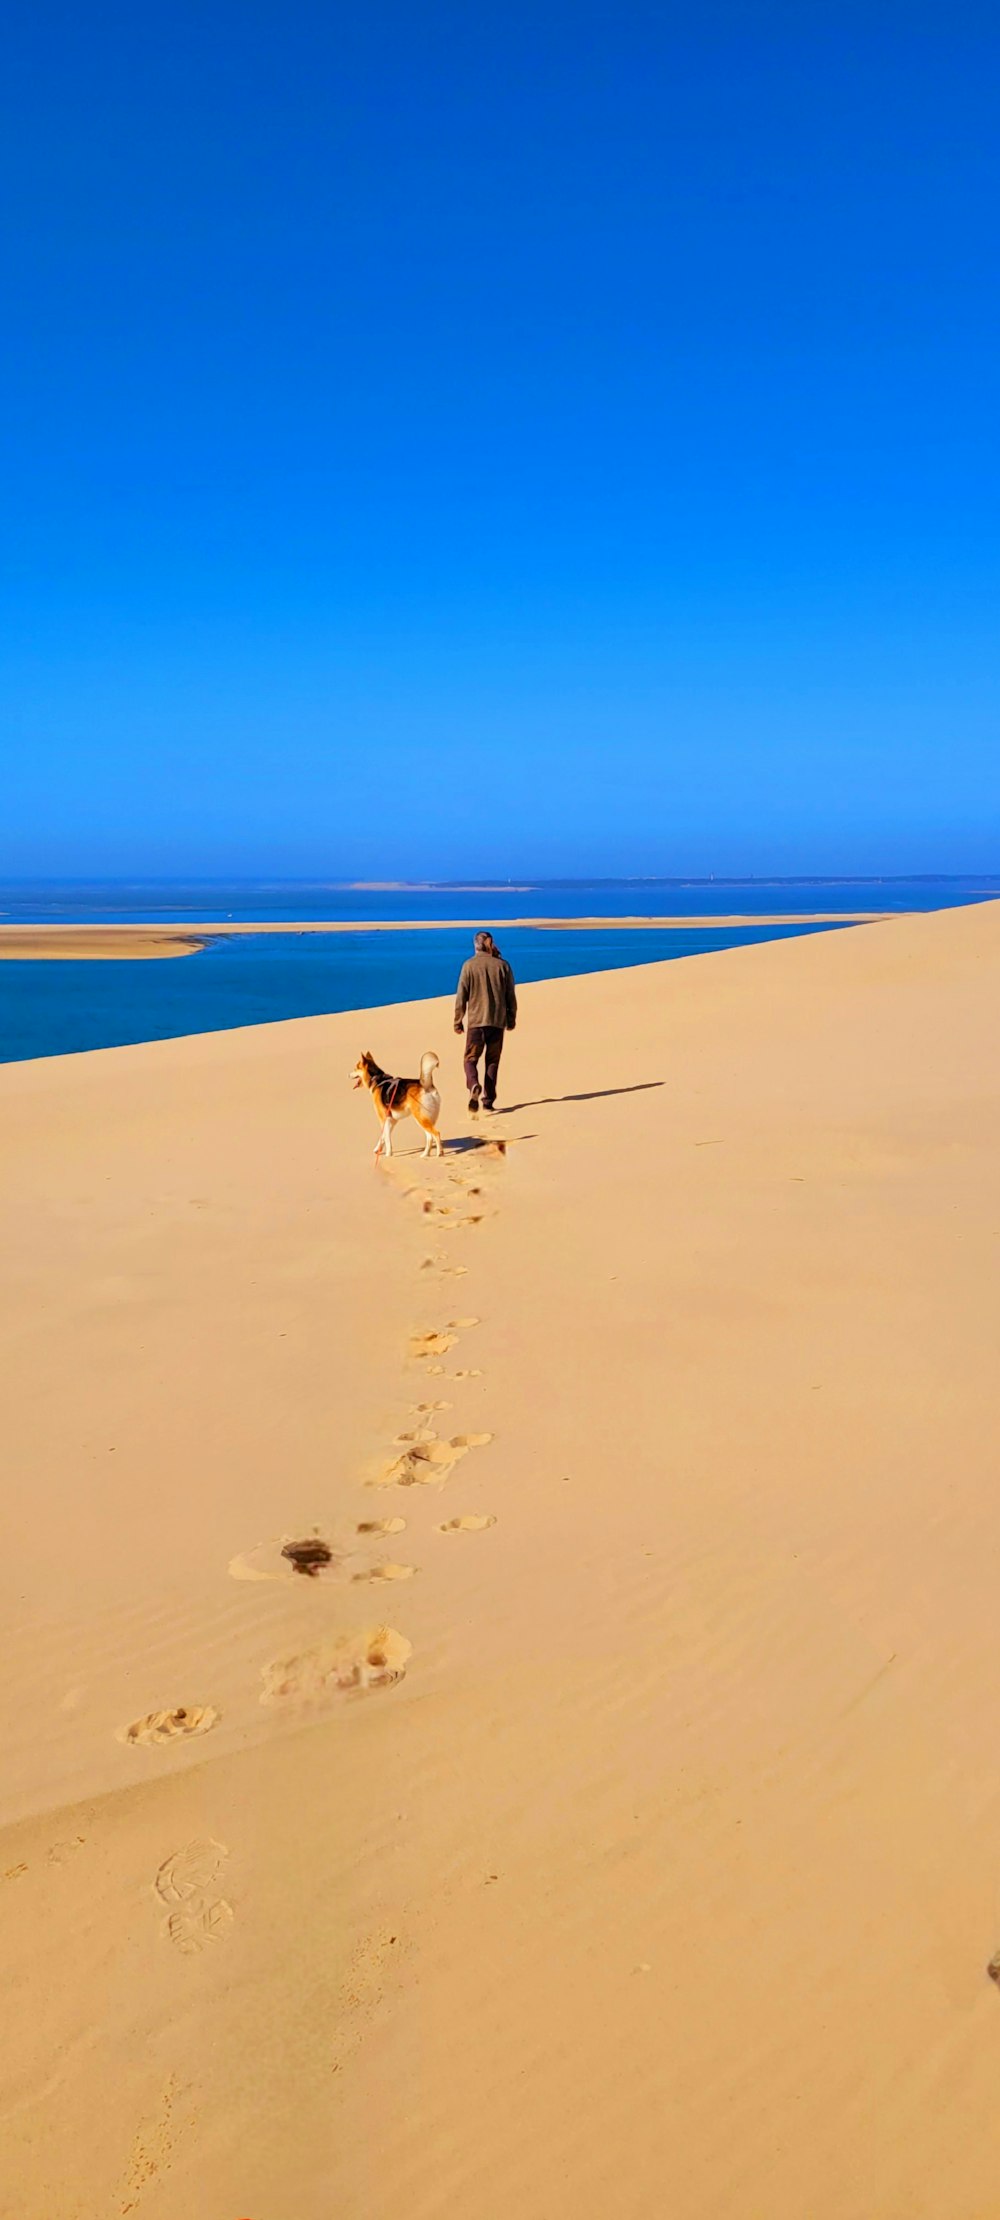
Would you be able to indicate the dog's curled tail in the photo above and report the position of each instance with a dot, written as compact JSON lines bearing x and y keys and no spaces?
{"x":428,"y":1067}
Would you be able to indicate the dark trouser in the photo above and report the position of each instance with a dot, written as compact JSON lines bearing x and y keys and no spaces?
{"x":483,"y":1040}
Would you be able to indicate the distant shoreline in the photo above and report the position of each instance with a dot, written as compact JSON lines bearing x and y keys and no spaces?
{"x":83,"y":943}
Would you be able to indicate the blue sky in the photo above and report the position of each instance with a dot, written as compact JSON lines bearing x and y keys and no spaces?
{"x":516,"y":438}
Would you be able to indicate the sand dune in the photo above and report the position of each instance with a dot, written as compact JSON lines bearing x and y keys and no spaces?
{"x":499,"y":1656}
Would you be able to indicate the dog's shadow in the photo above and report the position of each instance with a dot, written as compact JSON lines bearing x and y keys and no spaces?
{"x":469,"y":1144}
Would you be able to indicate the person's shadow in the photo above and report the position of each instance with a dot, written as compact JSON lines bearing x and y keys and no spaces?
{"x":596,"y":1094}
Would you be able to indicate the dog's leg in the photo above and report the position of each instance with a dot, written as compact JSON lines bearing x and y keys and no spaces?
{"x":432,"y":1138}
{"x":387,"y":1137}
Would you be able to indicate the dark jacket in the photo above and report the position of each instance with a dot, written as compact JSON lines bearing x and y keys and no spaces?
{"x":486,"y":993}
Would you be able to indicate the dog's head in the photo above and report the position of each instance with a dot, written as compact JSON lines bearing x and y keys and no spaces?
{"x":364,"y":1070}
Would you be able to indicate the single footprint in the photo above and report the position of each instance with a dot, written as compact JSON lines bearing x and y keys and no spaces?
{"x":430,"y":1459}
{"x":381,"y":1526}
{"x":373,"y":1659}
{"x":188,"y":1874}
{"x":171,"y":1726}
{"x":60,"y":1851}
{"x":388,"y":1571}
{"x":440,"y":1405}
{"x":467,"y":1524}
{"x":432,"y":1344}
{"x":469,"y":1372}
{"x":186,"y":1885}
{"x":413,"y":1466}
{"x":436,"y":1342}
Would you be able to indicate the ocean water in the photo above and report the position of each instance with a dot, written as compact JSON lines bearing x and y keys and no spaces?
{"x":52,"y":1008}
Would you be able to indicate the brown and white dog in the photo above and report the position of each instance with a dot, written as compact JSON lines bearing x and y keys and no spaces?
{"x":401,"y":1098}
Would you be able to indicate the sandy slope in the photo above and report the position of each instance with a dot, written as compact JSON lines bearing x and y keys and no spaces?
{"x":665,"y":1881}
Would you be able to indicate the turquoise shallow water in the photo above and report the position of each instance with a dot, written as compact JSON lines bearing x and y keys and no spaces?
{"x":53,"y":1008}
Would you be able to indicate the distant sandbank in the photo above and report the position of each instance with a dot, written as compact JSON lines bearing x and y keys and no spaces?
{"x":85,"y":942}
{"x":64,"y":942}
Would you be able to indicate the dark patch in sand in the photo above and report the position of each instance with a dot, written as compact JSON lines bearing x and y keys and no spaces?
{"x":308,"y":1557}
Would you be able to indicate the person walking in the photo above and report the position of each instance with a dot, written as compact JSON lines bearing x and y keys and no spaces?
{"x":486,"y":1009}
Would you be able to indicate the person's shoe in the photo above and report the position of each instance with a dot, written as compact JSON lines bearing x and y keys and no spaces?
{"x":489,"y":1105}
{"x":473,"y":1106}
